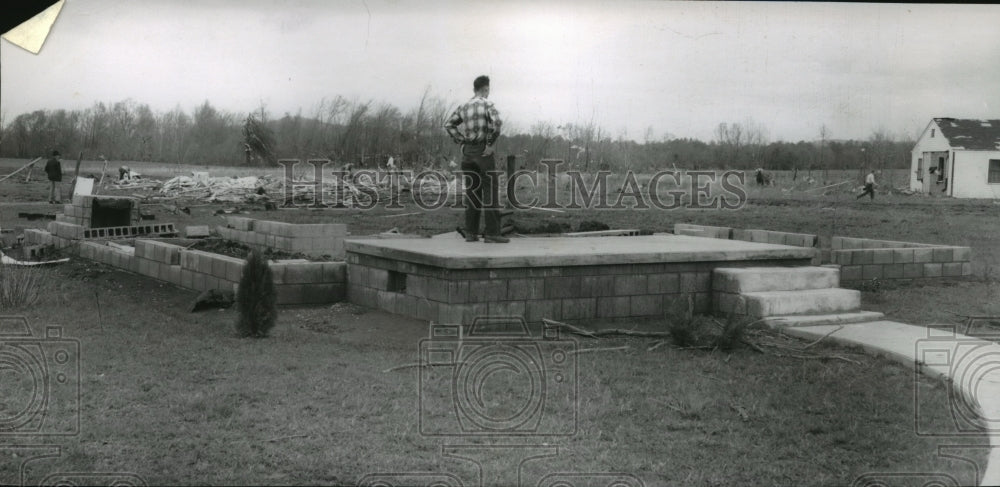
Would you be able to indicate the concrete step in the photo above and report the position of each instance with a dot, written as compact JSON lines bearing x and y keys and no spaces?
{"x":809,"y":301}
{"x":824,"y":319}
{"x":761,"y":279}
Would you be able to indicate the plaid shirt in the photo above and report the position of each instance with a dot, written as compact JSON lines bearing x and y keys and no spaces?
{"x":475,"y":122}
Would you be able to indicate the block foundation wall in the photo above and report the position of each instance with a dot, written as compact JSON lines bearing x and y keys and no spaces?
{"x":860,"y":259}
{"x":314,"y":240}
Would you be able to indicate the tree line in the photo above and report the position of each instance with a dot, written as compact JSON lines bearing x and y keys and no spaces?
{"x":366,"y":133}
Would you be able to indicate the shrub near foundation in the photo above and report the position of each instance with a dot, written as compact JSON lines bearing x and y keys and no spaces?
{"x":256,"y":299}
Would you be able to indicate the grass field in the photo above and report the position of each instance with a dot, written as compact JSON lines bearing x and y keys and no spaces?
{"x":175,"y":398}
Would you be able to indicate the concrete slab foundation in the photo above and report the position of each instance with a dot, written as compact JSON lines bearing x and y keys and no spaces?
{"x":563,"y":278}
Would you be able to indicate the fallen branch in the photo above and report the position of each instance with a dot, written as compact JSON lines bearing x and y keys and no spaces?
{"x":607,"y":331}
{"x":410,"y":366}
{"x":656,"y":345}
{"x":30,"y":164}
{"x":841,"y":327}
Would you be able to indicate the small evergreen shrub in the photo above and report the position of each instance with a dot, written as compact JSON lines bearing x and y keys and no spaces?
{"x":256,"y":298}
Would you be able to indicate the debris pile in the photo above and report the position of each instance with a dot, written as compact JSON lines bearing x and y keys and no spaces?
{"x":222,"y":189}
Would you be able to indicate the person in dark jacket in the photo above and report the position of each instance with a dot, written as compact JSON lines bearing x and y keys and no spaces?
{"x":53,"y":169}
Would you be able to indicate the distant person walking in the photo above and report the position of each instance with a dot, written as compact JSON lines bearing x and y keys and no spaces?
{"x":869,"y":186}
{"x":475,"y":126}
{"x":53,"y":169}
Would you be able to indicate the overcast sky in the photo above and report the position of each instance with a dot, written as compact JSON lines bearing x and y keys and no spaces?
{"x":678,"y":67}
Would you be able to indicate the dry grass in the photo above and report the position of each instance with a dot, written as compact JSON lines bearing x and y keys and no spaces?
{"x":20,"y":287}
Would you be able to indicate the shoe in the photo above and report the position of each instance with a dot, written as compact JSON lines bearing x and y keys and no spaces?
{"x":495,"y":239}
{"x":472,"y":238}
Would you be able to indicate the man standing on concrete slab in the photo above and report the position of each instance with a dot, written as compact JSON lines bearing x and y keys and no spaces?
{"x":475,"y":126}
{"x":869,"y":186}
{"x":53,"y":169}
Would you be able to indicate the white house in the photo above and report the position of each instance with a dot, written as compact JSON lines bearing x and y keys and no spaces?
{"x":957,"y":157}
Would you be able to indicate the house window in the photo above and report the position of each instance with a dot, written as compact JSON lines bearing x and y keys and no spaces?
{"x":920,"y":169}
{"x":994,"y":176}
{"x":932,"y":133}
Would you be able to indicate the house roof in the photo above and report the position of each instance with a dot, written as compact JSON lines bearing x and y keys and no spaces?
{"x":971,"y":134}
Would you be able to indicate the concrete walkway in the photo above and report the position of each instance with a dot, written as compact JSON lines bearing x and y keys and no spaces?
{"x":971,"y":364}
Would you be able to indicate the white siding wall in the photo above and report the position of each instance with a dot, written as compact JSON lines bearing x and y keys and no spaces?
{"x":926,"y":143}
{"x":971,"y":172}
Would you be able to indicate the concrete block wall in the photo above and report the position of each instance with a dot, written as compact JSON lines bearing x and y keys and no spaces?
{"x":862,"y":259}
{"x":569,"y":293}
{"x":314,"y":240}
{"x":703,"y":231}
{"x":80,"y":210}
{"x":923,"y":262}
{"x":295,"y":283}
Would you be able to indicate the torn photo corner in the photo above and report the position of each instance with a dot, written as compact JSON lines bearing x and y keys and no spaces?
{"x":30,"y":35}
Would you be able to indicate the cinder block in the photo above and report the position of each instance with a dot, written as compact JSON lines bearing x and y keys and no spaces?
{"x":871,"y":271}
{"x":561,"y":287}
{"x":197,"y":231}
{"x":851,"y":272}
{"x":663,"y":283}
{"x":579,"y":308}
{"x":416,"y":286}
{"x":240,"y":223}
{"x":922,"y":255}
{"x":646,"y":305}
{"x":961,"y":254}
{"x":882,"y":256}
{"x":690,"y":282}
{"x":513,"y":309}
{"x":613,"y":307}
{"x":932,"y":269}
{"x":951,"y":269}
{"x":198,"y":281}
{"x":277,"y":272}
{"x":523,"y":289}
{"x":862,"y":256}
{"x":942,"y":254}
{"x":912,"y":271}
{"x":892,"y":271}
{"x":357,"y":275}
{"x":378,"y":278}
{"x":630,"y":285}
{"x":902,"y":256}
{"x":966,"y":268}
{"x":439,"y":290}
{"x":303,"y":273}
{"x":234,"y":271}
{"x":537,"y":309}
{"x":335,"y":272}
{"x":458,"y":291}
{"x":486,"y":290}
{"x":174,"y":274}
{"x":428,"y":310}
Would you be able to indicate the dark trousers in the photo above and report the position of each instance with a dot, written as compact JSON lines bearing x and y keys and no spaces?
{"x":869,"y":190}
{"x":480,"y":190}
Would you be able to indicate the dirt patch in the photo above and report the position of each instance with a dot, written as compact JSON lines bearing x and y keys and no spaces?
{"x":238,"y":250}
